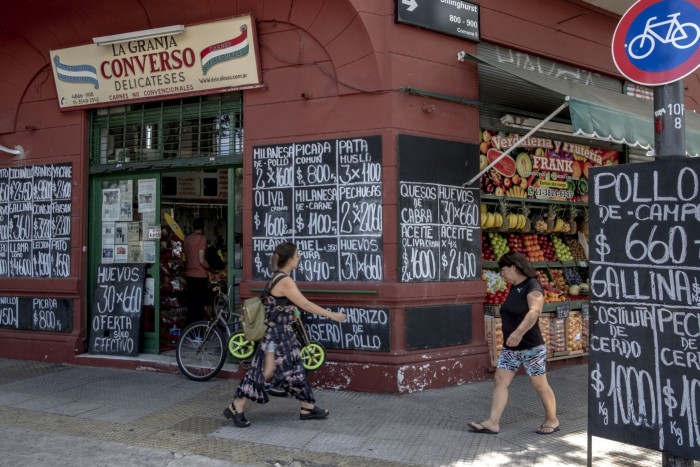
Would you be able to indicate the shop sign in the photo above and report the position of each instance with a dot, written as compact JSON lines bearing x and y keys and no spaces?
{"x":540,"y":168}
{"x":205,"y":58}
{"x":453,"y":17}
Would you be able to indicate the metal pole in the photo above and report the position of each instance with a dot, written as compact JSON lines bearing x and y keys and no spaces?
{"x":529,"y":133}
{"x":669,"y":141}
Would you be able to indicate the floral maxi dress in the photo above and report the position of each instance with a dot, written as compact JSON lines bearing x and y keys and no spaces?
{"x":289,"y":374}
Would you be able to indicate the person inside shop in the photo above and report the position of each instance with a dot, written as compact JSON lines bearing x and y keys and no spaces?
{"x":277,"y":359}
{"x":523,"y":345}
{"x":196,"y":271}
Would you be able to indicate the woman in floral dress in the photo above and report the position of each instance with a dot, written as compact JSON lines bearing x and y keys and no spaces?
{"x":276,"y":359}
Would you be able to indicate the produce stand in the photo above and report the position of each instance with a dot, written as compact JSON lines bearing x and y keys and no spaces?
{"x":535,"y":201}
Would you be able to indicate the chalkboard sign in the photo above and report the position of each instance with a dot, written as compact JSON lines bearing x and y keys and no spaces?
{"x":35,"y":220}
{"x":439,"y":226}
{"x":326,"y":196}
{"x":430,"y":327}
{"x":365,"y":329}
{"x":36,"y":314}
{"x":116,"y":312}
{"x":563,"y":310}
{"x":644,"y":362}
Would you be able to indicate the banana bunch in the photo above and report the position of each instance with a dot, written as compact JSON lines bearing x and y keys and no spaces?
{"x":516,"y":191}
{"x":490,"y":220}
{"x":560,"y":225}
{"x":516,"y":221}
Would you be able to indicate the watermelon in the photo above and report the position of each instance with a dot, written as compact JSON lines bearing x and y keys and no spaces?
{"x":505,"y":167}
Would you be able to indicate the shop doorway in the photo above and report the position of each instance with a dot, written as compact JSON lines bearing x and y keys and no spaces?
{"x":144,"y":218}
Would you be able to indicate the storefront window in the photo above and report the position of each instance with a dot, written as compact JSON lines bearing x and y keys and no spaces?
{"x":206,"y":127}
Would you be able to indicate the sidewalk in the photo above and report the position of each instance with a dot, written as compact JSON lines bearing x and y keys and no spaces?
{"x":54,"y":414}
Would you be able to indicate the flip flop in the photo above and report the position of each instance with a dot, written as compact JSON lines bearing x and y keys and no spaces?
{"x":542,"y":428}
{"x":479,"y":428}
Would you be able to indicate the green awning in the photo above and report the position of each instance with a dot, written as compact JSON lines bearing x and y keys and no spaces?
{"x":601,"y":113}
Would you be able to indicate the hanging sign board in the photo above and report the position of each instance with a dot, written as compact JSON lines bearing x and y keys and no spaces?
{"x":658,"y":42}
{"x":452,"y":17}
{"x":204,"y":58}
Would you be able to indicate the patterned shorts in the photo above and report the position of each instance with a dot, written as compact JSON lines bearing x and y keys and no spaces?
{"x":534,"y":360}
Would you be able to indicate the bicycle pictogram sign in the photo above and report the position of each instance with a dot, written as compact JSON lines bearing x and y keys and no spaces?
{"x":658,"y":42}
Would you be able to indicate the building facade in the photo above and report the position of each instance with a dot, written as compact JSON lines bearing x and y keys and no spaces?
{"x":388,"y":102}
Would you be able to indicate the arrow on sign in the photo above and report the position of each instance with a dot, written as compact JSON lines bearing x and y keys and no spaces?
{"x":412,"y":4}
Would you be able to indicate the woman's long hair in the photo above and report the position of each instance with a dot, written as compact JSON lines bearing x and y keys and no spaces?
{"x":282,"y":254}
{"x":519,"y":261}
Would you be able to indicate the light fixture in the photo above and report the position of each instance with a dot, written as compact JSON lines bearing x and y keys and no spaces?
{"x":18,"y":151}
{"x":137,"y":35}
{"x":527,"y":123}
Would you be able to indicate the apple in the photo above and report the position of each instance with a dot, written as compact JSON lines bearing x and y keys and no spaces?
{"x":516,"y":179}
{"x":507,"y":182}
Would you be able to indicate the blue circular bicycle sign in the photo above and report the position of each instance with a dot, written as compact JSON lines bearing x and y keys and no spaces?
{"x":658,"y":42}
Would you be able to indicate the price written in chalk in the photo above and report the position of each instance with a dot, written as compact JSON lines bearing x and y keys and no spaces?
{"x":644,"y":362}
{"x":331,"y":207}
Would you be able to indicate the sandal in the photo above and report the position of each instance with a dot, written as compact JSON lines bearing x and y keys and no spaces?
{"x":316,"y":413}
{"x":238,"y":417}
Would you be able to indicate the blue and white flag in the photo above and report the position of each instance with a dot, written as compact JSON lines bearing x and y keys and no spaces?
{"x":76,"y":73}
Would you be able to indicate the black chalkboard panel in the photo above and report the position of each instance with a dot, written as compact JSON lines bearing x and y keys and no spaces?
{"x":365,"y":329}
{"x":36,"y":314}
{"x":35,"y":220}
{"x":438,"y":326}
{"x":326,"y":196}
{"x":439,"y":224}
{"x":644,"y":363}
{"x":116,"y":312}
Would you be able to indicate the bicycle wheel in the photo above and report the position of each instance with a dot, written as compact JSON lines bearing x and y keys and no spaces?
{"x":313,"y":355}
{"x":240,"y":347}
{"x":201,"y":351}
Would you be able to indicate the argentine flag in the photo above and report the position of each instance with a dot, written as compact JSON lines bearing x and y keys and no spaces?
{"x":76,"y":73}
{"x":224,"y":51}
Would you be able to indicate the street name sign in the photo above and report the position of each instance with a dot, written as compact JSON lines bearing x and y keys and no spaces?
{"x":452,"y":17}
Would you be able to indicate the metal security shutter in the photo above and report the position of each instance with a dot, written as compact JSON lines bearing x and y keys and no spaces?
{"x":204,"y":130}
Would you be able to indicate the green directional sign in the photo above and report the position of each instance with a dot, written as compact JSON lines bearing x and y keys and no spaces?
{"x":453,"y":17}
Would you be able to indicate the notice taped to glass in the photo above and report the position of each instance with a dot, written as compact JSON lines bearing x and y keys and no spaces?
{"x":644,"y":363}
{"x":326,"y":197}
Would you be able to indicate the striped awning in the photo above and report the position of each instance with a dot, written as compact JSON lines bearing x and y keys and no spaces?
{"x":601,"y":113}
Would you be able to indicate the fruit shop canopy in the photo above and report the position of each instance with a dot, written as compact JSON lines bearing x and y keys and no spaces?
{"x":601,"y":113}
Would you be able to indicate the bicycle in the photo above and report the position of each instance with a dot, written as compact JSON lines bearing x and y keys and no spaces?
{"x":675,"y":33}
{"x":201,"y":348}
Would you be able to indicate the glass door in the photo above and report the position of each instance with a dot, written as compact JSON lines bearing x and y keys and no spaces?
{"x":125,"y":227}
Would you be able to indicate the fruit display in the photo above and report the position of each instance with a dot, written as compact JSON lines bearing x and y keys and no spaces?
{"x":491,"y":220}
{"x":584,"y":333}
{"x":557,"y":224}
{"x":563,"y":252}
{"x":572,"y":276}
{"x":532,"y":248}
{"x":547,"y":248}
{"x":499,"y":244}
{"x":573,"y":332}
{"x":576,"y":249}
{"x":486,"y":250}
{"x":558,"y":280}
{"x":516,"y":221}
{"x":494,"y":281}
{"x":515,"y":243}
